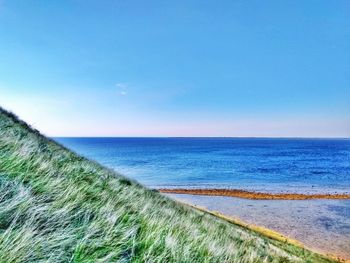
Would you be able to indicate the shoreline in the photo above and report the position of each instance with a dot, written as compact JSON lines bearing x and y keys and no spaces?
{"x":252,"y":194}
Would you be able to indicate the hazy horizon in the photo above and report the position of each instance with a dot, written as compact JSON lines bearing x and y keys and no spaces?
{"x":201,"y":137}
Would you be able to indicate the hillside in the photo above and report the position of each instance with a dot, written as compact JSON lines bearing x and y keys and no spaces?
{"x":56,"y":206}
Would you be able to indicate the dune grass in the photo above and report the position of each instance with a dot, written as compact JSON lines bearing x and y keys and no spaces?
{"x":56,"y":206}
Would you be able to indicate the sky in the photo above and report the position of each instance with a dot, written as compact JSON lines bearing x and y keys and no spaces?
{"x":177,"y":68}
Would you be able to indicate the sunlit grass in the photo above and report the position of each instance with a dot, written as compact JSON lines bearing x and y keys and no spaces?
{"x":56,"y":206}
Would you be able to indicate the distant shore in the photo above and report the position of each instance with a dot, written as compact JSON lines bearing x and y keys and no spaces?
{"x":253,"y":195}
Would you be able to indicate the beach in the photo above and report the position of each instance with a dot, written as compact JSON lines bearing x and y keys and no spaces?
{"x":175,"y":131}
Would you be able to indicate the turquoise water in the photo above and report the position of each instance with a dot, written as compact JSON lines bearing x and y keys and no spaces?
{"x":273,"y":165}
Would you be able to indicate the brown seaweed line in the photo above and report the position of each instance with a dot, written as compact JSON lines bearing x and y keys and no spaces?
{"x":253,"y":195}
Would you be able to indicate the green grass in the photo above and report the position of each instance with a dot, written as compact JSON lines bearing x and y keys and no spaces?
{"x":56,"y":206}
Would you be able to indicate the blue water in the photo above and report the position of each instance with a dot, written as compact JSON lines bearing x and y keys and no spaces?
{"x":273,"y":165}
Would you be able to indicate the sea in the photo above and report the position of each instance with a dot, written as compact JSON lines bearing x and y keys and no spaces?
{"x":259,"y":164}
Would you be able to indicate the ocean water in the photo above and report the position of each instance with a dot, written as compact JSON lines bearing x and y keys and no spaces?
{"x":270,"y":165}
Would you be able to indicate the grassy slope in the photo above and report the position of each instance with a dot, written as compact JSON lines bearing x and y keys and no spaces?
{"x":56,"y":206}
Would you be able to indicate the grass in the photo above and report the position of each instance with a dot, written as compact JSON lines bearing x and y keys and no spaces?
{"x":56,"y":206}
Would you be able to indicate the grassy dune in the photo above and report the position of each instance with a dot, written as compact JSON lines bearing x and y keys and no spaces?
{"x":56,"y":206}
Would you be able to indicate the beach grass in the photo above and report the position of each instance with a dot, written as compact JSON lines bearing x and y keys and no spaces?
{"x":56,"y":206}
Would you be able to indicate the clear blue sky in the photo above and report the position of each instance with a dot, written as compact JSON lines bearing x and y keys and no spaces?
{"x":177,"y":68}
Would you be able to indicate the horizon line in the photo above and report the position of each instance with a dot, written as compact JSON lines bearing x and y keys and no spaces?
{"x":207,"y":137}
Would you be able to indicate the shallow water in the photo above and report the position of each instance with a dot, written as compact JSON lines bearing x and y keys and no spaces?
{"x":322,"y":225}
{"x":272,"y":165}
